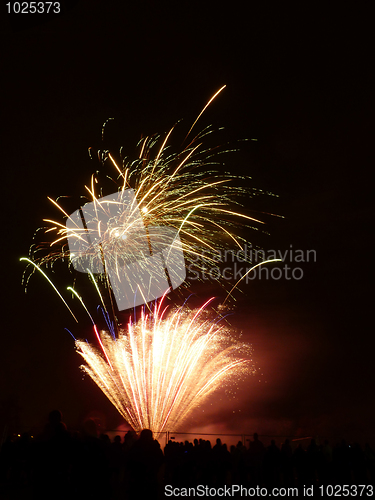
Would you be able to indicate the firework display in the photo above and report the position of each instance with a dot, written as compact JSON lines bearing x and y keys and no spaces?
{"x":163,"y":366}
{"x":176,"y":208}
{"x":181,"y":191}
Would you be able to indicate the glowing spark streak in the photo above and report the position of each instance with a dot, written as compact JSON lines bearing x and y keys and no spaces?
{"x":93,"y":322}
{"x":143,"y":147}
{"x":201,"y":309}
{"x":218,"y":374}
{"x":165,"y":183}
{"x":249,"y":271}
{"x":150,"y":190}
{"x":200,"y":241}
{"x":58,"y":206}
{"x":97,"y":288}
{"x":101,"y":345}
{"x":115,"y":164}
{"x":50,"y":282}
{"x":241,"y":215}
{"x":188,"y":215}
{"x":92,"y":185}
{"x":62,"y":230}
{"x":58,"y":239}
{"x":201,"y":198}
{"x":91,"y":192}
{"x":161,"y":149}
{"x":183,"y":222}
{"x":104,"y":125}
{"x":202,"y":187}
{"x":125,"y":180}
{"x":204,"y":109}
{"x":54,"y":222}
{"x":191,"y":223}
{"x":183,"y":162}
{"x":135,"y":362}
{"x":70,"y":333}
{"x":228,"y":233}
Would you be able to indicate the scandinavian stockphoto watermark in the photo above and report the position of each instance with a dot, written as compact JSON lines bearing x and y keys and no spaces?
{"x":234,"y":490}
{"x":108,"y":236}
{"x":250,"y":264}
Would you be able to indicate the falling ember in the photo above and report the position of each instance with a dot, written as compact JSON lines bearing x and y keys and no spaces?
{"x":165,"y":365}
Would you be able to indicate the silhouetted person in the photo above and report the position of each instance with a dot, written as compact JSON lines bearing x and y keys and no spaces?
{"x":115,"y":455}
{"x":326,"y":452}
{"x":217,"y":445}
{"x":52,"y":459}
{"x":172,"y":462}
{"x":287,"y":463}
{"x":271,"y":465}
{"x":300,"y":464}
{"x":341,"y":463}
{"x":358,"y":461}
{"x":145,"y":458}
{"x":221,"y":461}
{"x":7,"y":462}
{"x":255,"y":459}
{"x":129,"y":439}
{"x":370,"y":462}
{"x":91,"y":467}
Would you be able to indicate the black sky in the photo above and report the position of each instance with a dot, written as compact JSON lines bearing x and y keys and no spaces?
{"x":300,"y":81}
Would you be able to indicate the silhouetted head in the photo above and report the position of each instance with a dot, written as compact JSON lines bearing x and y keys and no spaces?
{"x":105,"y":438}
{"x":129,"y":437}
{"x":255,"y":436}
{"x":89,"y":428}
{"x":55,"y":417}
{"x":146,"y":435}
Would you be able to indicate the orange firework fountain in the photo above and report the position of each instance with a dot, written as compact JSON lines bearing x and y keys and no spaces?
{"x":164,"y":366}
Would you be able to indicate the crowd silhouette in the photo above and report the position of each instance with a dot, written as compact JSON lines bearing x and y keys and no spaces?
{"x":82,"y":464}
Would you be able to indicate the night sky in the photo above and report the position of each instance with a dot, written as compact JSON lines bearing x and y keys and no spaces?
{"x":298,"y":81}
